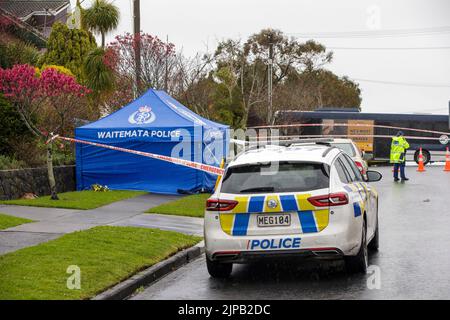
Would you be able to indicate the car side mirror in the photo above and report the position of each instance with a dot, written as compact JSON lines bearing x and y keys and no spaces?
{"x":373,"y":176}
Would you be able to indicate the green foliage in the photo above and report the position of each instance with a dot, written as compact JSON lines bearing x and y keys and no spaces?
{"x":8,"y":163}
{"x":4,"y":59}
{"x":18,"y":52}
{"x":82,"y":200}
{"x":23,"y":53}
{"x":12,"y":127}
{"x":99,"y":77}
{"x":68,"y":48}
{"x":338,"y":92}
{"x":105,"y":255}
{"x":227,"y":106}
{"x":300,"y":81}
{"x":101,"y":17}
{"x":61,"y":157}
{"x":319,"y":88}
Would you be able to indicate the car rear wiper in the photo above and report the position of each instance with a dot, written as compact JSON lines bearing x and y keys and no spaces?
{"x":258,"y":189}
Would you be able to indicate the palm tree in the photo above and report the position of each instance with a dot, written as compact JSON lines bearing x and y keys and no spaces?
{"x":101,"y":17}
{"x":99,"y":78}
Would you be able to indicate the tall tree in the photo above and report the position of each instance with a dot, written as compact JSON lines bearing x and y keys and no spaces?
{"x":311,"y":90}
{"x":102,"y":17}
{"x":196,"y":85}
{"x":159,"y":64}
{"x":249,"y":62}
{"x":46,"y":102}
{"x":68,"y":47}
{"x":99,"y":77}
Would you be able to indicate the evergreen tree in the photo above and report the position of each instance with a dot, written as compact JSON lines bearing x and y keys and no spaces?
{"x":68,"y":48}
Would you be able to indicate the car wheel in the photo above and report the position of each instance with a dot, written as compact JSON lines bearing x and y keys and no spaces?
{"x":360,"y":262}
{"x":218,"y":270}
{"x":374,"y":243}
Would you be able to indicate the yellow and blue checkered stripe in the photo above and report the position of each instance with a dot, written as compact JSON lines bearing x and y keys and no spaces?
{"x":361,"y":189}
{"x":311,"y":218}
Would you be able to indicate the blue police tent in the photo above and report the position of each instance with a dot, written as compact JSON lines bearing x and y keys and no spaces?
{"x":154,"y":123}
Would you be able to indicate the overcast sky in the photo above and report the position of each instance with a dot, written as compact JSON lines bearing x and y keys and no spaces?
{"x":195,"y":25}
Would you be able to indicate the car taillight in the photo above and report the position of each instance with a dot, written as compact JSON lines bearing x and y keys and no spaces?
{"x":220,"y":205}
{"x":360,"y":166}
{"x":332,"y":199}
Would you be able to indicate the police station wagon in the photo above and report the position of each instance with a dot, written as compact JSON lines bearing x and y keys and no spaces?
{"x":297,"y":202}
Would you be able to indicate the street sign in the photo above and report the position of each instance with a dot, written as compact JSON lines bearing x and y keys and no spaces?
{"x":443,"y":139}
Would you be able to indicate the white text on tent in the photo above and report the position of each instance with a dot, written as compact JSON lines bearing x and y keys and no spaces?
{"x":140,"y":133}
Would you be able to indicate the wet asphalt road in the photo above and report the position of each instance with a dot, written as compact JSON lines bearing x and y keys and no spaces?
{"x":413,"y":260}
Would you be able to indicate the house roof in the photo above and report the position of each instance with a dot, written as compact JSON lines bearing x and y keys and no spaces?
{"x":23,"y":9}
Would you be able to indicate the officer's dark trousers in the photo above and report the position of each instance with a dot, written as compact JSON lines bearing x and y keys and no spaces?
{"x":400,"y":166}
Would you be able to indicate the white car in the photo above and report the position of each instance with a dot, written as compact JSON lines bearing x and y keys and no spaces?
{"x":298,"y":201}
{"x":350,"y":148}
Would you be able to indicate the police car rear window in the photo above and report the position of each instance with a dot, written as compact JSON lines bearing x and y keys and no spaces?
{"x":276,"y":177}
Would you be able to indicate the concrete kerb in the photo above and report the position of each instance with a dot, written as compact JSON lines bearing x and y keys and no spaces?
{"x":144,"y":278}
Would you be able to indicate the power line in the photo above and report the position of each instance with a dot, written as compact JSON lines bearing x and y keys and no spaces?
{"x":376,"y":33}
{"x":412,"y":84}
{"x":389,"y":48}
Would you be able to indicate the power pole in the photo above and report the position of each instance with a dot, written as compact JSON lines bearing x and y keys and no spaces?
{"x":137,"y":37}
{"x":270,"y":83}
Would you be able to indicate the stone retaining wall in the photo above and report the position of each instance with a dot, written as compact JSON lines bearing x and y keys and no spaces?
{"x":15,"y":183}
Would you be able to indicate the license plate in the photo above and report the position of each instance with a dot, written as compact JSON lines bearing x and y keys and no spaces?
{"x":274,"y":220}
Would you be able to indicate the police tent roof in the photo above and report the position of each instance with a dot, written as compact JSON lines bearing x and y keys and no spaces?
{"x":153,"y":110}
{"x":154,"y":123}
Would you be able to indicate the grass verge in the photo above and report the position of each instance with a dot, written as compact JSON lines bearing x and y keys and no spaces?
{"x":191,"y":206}
{"x":82,"y":200}
{"x":105,"y":255}
{"x":10,"y":221}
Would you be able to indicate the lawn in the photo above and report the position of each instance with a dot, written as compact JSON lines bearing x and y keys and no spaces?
{"x":105,"y":255}
{"x":82,"y":200}
{"x":10,"y":221}
{"x":191,"y":206}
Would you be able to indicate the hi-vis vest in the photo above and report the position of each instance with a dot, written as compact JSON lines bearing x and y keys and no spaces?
{"x":398,"y":149}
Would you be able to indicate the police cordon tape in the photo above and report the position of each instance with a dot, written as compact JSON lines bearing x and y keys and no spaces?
{"x":295,"y":125}
{"x":181,"y":162}
{"x":202,"y":166}
{"x":444,"y":141}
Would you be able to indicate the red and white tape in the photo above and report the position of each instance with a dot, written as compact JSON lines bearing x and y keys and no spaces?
{"x":181,"y":162}
{"x":288,"y":137}
{"x":299,"y":125}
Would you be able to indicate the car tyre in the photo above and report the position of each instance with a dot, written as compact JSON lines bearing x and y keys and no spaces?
{"x":374,"y":243}
{"x":360,"y":262}
{"x":219,"y":270}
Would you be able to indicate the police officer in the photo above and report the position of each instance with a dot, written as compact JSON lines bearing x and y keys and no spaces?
{"x":398,"y":154}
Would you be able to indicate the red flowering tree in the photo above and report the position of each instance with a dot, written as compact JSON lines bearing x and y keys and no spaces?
{"x":159,"y":67}
{"x":47,"y":102}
